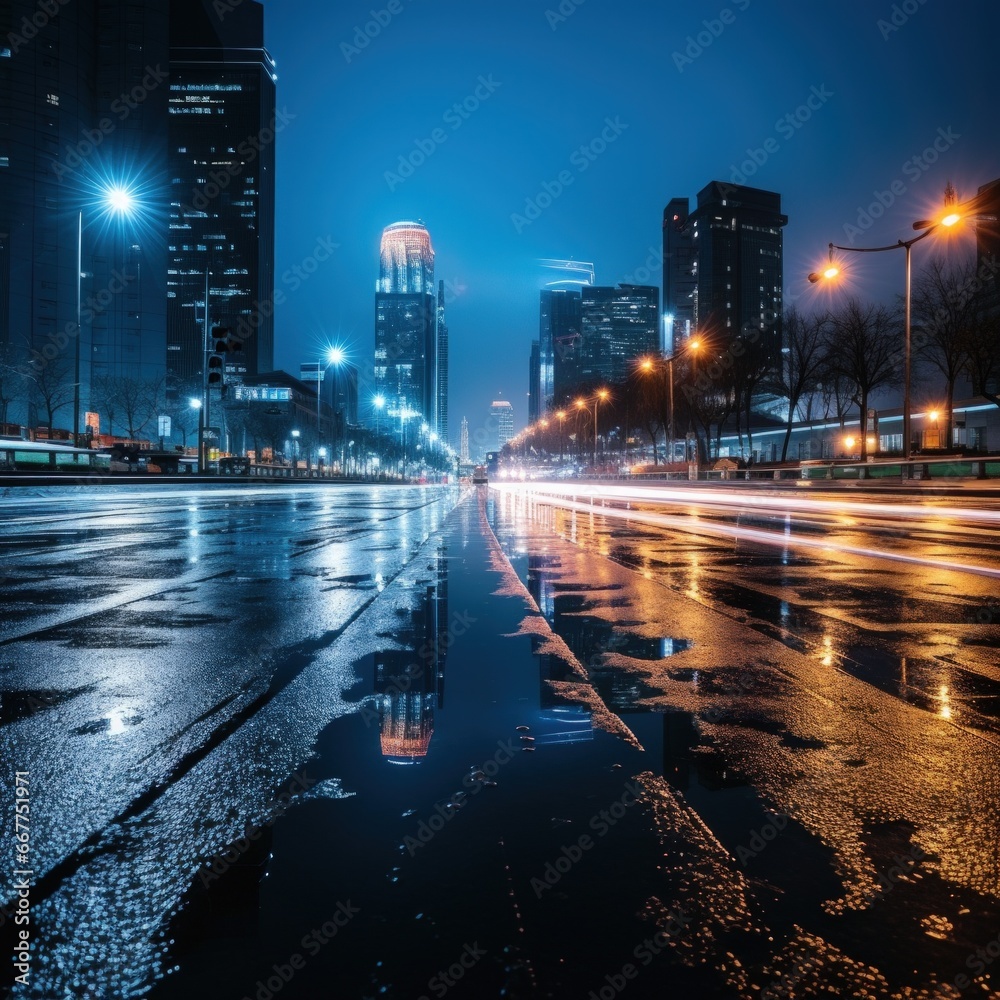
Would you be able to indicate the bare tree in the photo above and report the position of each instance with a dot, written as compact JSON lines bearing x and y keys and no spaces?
{"x":982,"y":355}
{"x":944,"y":311}
{"x":864,"y":350}
{"x":801,"y":365}
{"x":53,"y":388}
{"x":14,"y":380}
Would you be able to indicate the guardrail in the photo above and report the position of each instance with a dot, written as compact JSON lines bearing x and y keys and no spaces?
{"x":916,"y":470}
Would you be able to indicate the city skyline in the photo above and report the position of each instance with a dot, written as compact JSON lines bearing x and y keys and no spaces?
{"x":829,"y":140}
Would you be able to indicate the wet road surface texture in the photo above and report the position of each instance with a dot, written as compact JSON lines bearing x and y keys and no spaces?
{"x":402,"y":743}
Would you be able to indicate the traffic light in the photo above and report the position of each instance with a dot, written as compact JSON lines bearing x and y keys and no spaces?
{"x":224,"y":342}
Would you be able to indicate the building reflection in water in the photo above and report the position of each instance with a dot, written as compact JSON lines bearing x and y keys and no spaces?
{"x":409,"y":683}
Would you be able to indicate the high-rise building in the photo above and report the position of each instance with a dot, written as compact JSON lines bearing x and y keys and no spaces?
{"x":618,"y":326}
{"x":82,"y":116}
{"x":737,"y":233}
{"x":534,"y":383}
{"x":407,"y":373}
{"x":223,"y":129}
{"x":441,"y":373}
{"x":406,"y":259}
{"x":463,"y":450}
{"x":988,"y":241}
{"x":558,"y":346}
{"x":502,"y":417}
{"x":680,"y":276}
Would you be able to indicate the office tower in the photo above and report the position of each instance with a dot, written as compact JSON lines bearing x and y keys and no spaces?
{"x":534,"y":383}
{"x":441,"y":374}
{"x":463,"y":452}
{"x":988,"y":242}
{"x":680,"y":276}
{"x":223,"y":130}
{"x":502,"y":416}
{"x":618,"y":326}
{"x":406,"y":259}
{"x":737,"y":232}
{"x":406,"y":324}
{"x":82,"y":122}
{"x":558,"y":343}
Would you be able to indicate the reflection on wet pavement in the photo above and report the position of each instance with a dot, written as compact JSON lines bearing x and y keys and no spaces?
{"x":501,"y":750}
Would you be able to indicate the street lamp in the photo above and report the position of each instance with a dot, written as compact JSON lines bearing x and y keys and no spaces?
{"x":117,"y":200}
{"x":196,"y":405}
{"x":295,"y":453}
{"x":561,"y":414}
{"x":833,"y":270}
{"x":648,"y":365}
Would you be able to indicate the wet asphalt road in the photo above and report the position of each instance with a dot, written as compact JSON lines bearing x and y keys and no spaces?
{"x":276,"y":724}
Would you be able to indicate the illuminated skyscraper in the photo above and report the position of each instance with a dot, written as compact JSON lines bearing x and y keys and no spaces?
{"x":407,"y":260}
{"x":223,"y":129}
{"x":463,"y":453}
{"x":502,"y":414}
{"x":680,"y":275}
{"x":407,"y":370}
{"x":63,"y":83}
{"x":619,"y":326}
{"x":441,"y":370}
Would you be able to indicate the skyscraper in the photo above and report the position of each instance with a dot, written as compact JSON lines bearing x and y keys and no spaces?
{"x":406,"y":259}
{"x":82,"y":114}
{"x":463,"y":451}
{"x":223,"y":129}
{"x":502,"y":416}
{"x":558,"y":343}
{"x":534,"y":383}
{"x":737,"y":232}
{"x":441,"y":369}
{"x":680,"y":275}
{"x":406,"y":324}
{"x":618,"y":326}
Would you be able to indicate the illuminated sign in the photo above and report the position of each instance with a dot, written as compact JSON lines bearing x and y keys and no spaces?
{"x":263,"y":394}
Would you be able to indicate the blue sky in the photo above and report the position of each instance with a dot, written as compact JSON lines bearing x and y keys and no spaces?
{"x":886,"y":81}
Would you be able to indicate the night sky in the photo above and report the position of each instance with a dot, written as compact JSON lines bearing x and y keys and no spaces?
{"x":881,"y":95}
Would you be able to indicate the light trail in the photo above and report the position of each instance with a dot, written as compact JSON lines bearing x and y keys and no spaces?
{"x":768,"y":502}
{"x":684,"y":523}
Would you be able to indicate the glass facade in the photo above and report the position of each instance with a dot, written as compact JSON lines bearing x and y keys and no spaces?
{"x":223,"y":129}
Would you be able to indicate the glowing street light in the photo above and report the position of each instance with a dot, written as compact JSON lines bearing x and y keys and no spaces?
{"x":117,"y":200}
{"x":832,"y":272}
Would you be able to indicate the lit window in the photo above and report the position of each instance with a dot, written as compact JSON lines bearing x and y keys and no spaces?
{"x":52,"y":99}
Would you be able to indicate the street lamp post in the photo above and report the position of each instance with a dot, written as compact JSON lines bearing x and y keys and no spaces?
{"x":599,"y":397}
{"x":561,"y":414}
{"x":295,"y":454}
{"x":117,"y":201}
{"x":196,"y":404}
{"x":832,"y":271}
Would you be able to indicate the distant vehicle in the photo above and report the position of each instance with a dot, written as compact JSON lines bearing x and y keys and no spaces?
{"x":479,"y":475}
